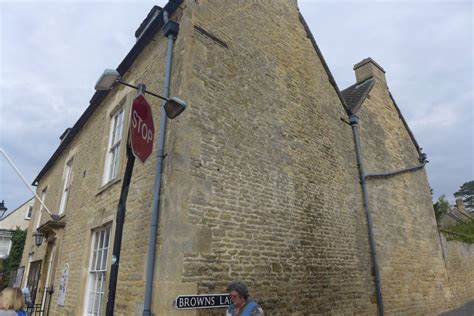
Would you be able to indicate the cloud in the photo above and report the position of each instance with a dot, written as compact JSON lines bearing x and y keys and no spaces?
{"x":453,"y":112}
{"x":426,"y":48}
{"x":51,"y":54}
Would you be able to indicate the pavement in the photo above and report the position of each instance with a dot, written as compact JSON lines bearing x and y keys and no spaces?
{"x":465,"y":310}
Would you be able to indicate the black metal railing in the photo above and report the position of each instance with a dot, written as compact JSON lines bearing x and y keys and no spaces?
{"x":42,"y":303}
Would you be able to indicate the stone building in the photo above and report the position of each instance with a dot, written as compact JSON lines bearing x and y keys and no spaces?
{"x":260,"y":180}
{"x":17,"y":218}
{"x":456,"y":214}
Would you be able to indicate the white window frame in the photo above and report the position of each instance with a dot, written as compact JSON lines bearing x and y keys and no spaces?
{"x":66,"y":186}
{"x":112,"y":160}
{"x":40,"y":211}
{"x":24,"y":281}
{"x":29,"y":212}
{"x":94,"y":301}
{"x":9,"y":247}
{"x":48,"y":282}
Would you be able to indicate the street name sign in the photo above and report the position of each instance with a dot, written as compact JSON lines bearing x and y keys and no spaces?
{"x":202,"y":301}
{"x":142,"y":130}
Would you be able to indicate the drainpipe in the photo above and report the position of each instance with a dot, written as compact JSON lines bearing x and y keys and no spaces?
{"x":354,"y":121}
{"x":171,"y":31}
{"x":394,"y":173}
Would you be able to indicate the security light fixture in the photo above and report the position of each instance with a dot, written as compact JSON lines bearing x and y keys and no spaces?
{"x":173,"y":106}
{"x":38,"y":238}
{"x":3,"y":209}
{"x":107,"y":80}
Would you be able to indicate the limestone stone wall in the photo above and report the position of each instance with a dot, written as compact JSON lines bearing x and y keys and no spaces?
{"x":261,"y":183}
{"x":100,"y":206}
{"x":52,"y":185}
{"x":92,"y":204}
{"x":459,"y":258}
{"x":413,"y":273}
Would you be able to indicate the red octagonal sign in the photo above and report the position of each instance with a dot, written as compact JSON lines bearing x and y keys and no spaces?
{"x":142,"y":129}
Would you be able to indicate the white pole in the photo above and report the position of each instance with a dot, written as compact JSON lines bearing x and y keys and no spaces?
{"x":24,"y":180}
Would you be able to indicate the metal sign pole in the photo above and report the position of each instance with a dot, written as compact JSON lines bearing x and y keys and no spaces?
{"x":120,"y":220}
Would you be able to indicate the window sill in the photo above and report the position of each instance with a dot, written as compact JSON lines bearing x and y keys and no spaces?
{"x":108,"y":185}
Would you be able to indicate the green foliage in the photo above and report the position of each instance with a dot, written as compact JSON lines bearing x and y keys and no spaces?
{"x":463,"y":232}
{"x":466,"y":192}
{"x":12,"y":262}
{"x":441,"y":207}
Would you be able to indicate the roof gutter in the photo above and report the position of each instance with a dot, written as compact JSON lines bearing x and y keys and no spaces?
{"x":394,"y":173}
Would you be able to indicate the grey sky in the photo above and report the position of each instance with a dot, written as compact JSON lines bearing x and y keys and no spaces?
{"x":52,"y":52}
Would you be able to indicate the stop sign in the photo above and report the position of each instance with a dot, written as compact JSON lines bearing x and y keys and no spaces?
{"x":142,"y":130}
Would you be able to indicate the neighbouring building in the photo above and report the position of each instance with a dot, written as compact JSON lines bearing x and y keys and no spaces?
{"x":456,"y":214}
{"x":18,"y":218}
{"x":261,"y":181}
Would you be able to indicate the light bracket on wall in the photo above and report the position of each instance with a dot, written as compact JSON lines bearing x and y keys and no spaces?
{"x":110,"y":77}
{"x":38,"y":238}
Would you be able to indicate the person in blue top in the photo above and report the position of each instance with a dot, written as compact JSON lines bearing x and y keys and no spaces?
{"x":241,"y":304}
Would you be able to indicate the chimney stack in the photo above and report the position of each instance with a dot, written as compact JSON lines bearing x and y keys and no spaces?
{"x":368,"y":68}
{"x":460,"y":205}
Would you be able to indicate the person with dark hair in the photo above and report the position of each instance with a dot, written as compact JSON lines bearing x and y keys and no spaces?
{"x":241,"y":304}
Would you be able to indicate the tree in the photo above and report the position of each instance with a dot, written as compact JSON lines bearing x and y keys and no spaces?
{"x":12,"y":262}
{"x":466,"y":192}
{"x":441,"y":207}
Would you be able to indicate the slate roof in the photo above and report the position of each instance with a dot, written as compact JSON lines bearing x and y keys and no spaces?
{"x":356,"y":94}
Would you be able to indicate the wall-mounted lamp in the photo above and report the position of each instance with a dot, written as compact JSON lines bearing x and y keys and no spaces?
{"x":173,"y":107}
{"x":3,"y":209}
{"x":38,"y":238}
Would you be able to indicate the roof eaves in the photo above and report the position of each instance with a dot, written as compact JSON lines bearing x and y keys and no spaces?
{"x":323,"y":61}
{"x":412,"y":136}
{"x":99,"y":96}
{"x":16,"y":209}
{"x":7,"y":215}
